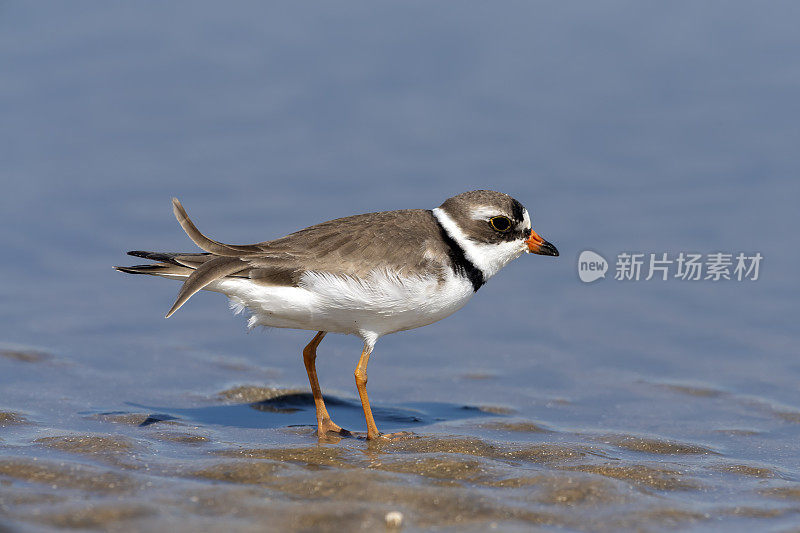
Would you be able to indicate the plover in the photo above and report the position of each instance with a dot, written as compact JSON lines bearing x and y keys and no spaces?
{"x":366,"y":275}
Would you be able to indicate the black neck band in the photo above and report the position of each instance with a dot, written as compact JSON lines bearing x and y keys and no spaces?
{"x":458,"y":260}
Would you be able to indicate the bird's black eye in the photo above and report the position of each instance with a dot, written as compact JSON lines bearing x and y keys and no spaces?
{"x":501,"y":224}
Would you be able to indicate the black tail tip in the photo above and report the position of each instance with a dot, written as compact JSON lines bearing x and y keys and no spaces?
{"x":155,"y":256}
{"x":140,"y":269}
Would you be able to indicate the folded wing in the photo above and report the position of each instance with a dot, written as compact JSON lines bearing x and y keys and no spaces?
{"x":403,"y":242}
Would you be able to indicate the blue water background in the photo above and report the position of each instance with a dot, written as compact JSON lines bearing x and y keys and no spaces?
{"x":622,"y":126}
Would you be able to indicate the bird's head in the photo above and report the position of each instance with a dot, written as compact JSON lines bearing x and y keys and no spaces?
{"x":492,"y":228}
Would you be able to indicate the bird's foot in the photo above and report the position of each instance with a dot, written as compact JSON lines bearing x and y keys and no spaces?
{"x":391,"y":437}
{"x":326,"y":427}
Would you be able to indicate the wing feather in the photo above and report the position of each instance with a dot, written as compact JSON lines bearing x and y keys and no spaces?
{"x":209,"y":245}
{"x":210,"y":271}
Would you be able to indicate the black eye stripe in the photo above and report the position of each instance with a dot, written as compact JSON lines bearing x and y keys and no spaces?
{"x":517,"y":210}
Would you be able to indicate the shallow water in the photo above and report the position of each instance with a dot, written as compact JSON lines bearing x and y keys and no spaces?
{"x":546,"y":402}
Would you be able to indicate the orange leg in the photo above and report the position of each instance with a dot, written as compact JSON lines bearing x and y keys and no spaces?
{"x":361,"y":384}
{"x":324,"y":422}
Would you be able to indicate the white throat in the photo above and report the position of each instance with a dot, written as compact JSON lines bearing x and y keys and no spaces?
{"x":488,"y":258}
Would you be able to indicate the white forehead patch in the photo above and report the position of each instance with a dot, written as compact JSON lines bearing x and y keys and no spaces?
{"x":483,"y":212}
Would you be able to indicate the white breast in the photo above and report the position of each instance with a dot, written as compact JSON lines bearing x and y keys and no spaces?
{"x":380,"y":304}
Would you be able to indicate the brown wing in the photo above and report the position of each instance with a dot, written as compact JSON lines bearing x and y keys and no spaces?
{"x":405,"y":241}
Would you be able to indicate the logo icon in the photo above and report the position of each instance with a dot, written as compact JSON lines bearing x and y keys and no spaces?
{"x":591,"y":266}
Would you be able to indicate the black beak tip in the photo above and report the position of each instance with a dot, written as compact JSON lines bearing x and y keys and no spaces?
{"x":549,"y":249}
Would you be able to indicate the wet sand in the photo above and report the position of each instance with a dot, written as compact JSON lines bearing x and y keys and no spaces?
{"x":167,"y":469}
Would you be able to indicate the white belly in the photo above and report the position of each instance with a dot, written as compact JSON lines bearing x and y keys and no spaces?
{"x":382,"y":304}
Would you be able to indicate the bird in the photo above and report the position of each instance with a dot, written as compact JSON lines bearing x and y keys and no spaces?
{"x":367,"y":275}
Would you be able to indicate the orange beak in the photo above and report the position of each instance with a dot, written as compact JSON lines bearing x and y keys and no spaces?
{"x":537,"y":245}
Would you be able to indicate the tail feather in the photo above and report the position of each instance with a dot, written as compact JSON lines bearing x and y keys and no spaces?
{"x":198,"y":269}
{"x":155,"y":256}
{"x":160,"y":269}
{"x":168,"y":257}
{"x":142,"y":269}
{"x":191,"y":260}
{"x":209,"y":245}
{"x":208,"y":272}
